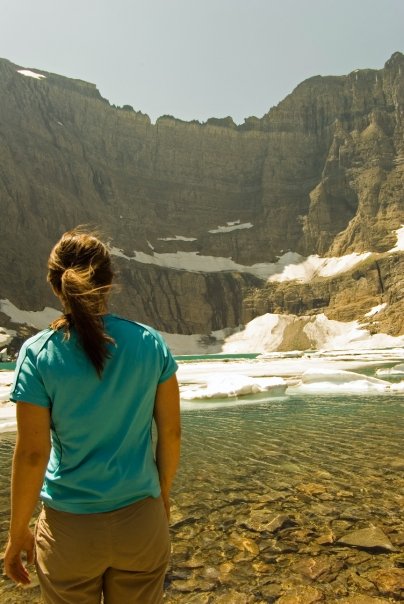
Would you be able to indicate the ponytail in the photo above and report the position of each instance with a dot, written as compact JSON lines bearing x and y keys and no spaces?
{"x":80,"y":273}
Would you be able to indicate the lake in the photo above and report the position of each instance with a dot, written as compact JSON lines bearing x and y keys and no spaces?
{"x":268,"y":487}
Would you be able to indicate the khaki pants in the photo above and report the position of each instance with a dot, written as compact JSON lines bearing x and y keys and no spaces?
{"x":121,"y":554}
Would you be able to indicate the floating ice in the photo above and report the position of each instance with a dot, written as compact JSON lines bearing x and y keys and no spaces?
{"x":231,"y":386}
{"x":397,"y":387}
{"x":211,"y":384}
{"x":6,"y":379}
{"x":7,"y":410}
{"x":334,"y":381}
{"x":396,"y":370}
{"x":8,"y":422}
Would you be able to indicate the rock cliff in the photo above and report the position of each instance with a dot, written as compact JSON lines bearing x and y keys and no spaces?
{"x":321,"y":173}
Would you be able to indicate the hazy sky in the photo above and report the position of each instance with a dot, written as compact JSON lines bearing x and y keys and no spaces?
{"x":200,"y":58}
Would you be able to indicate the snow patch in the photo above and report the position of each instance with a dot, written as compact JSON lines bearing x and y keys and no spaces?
{"x":196,"y":343}
{"x":40,"y":319}
{"x":266,"y":334}
{"x":290,"y":266}
{"x":232,"y":226}
{"x":376,"y":309}
{"x":6,"y":335}
{"x":177,"y":238}
{"x":194,"y":263}
{"x":31,"y":74}
{"x":115,"y":251}
{"x":263,"y":333}
{"x":399,"y":247}
{"x":314,"y":266}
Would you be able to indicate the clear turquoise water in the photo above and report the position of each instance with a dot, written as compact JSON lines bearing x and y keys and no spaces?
{"x":331,"y":464}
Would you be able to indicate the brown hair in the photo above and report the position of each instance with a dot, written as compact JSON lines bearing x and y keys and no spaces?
{"x":80,"y":272}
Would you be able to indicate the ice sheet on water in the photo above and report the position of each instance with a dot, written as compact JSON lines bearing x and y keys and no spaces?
{"x":6,"y":378}
{"x":334,"y":381}
{"x":7,"y":418}
{"x":392,"y":371}
{"x":399,"y":387}
{"x":7,"y":410}
{"x":210,"y":384}
{"x":231,"y":386}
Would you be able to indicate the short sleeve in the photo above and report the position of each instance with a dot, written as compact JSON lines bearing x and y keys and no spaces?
{"x":169,"y":364}
{"x":28,"y":385}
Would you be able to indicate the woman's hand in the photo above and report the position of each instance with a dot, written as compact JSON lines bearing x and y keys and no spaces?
{"x":30,"y":459}
{"x":13,"y":564}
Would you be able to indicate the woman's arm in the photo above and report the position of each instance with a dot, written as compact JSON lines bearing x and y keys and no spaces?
{"x":167,"y":418}
{"x":30,"y":459}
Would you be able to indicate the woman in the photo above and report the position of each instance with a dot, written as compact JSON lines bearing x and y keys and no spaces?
{"x":87,"y":390}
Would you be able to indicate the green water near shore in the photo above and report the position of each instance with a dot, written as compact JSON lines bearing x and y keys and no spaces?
{"x":215,"y":357}
{"x":10,"y":366}
{"x":181,"y":357}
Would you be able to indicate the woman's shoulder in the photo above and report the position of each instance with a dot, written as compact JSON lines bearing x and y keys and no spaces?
{"x":128,"y":325}
{"x":38,"y":341}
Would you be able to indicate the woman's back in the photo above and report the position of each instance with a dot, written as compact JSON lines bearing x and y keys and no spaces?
{"x":102,"y":456}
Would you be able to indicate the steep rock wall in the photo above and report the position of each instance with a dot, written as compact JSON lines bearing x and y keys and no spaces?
{"x":320,"y":173}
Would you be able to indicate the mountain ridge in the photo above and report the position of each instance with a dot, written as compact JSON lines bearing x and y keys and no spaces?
{"x":320,"y":173}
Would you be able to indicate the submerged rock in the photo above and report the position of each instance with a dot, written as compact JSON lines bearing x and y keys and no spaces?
{"x":313,"y":568}
{"x":302,"y":595}
{"x":368,"y":538}
{"x":234,"y":597}
{"x":361,"y":599}
{"x":261,"y":521}
{"x":389,"y":581}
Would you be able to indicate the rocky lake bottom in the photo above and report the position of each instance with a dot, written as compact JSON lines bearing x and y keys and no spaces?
{"x":294,"y":500}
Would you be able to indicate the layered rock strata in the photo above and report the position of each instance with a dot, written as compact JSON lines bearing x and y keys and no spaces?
{"x":321,"y":173}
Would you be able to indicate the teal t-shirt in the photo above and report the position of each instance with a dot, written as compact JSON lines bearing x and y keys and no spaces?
{"x":102,"y":455}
